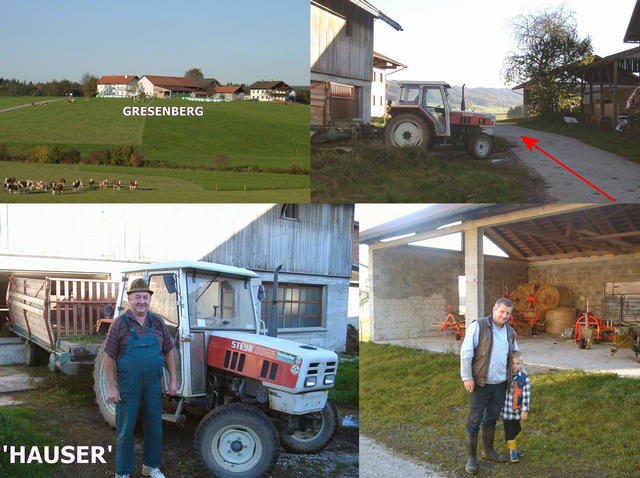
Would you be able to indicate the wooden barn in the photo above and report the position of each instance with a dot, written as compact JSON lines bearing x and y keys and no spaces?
{"x":342,"y":60}
{"x":312,"y":242}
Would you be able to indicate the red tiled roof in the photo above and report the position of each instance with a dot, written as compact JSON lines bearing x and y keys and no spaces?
{"x":269,"y":85}
{"x":228,"y":89}
{"x":116,"y":80}
{"x":172,"y":81}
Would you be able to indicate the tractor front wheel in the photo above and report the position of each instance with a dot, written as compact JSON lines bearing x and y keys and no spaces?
{"x":480,"y":146}
{"x":407,"y":129}
{"x":314,"y":431}
{"x":106,"y":406}
{"x":237,"y":441}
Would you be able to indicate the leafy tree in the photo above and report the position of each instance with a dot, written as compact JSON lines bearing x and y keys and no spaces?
{"x":303,"y":95}
{"x":89,"y":84}
{"x":195,"y":73}
{"x":515,"y":112}
{"x":549,"y":59}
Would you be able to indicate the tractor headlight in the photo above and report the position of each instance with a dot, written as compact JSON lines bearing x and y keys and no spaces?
{"x":310,"y":381}
{"x":329,"y":379}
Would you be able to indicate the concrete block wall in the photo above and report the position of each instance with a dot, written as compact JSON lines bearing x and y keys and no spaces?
{"x":412,"y":287}
{"x":585,"y":276}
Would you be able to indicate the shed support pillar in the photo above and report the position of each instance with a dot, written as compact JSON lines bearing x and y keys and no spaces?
{"x":474,"y":274}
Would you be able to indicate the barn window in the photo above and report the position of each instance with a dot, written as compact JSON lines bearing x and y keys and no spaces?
{"x":299,"y":306}
{"x":290,"y":212}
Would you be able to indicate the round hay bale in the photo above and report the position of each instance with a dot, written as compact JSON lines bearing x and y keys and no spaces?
{"x":566,"y":296}
{"x":559,"y":319}
{"x":520,"y":298}
{"x":547,"y":297}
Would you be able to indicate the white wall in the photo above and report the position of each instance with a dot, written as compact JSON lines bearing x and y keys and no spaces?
{"x":379,"y":92}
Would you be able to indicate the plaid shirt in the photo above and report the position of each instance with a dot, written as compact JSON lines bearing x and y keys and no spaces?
{"x":518,"y":396}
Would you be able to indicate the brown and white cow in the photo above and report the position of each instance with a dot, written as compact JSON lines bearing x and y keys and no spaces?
{"x":116,"y":184}
{"x":133,"y":185}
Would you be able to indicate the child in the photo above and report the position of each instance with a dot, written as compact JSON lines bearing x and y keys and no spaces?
{"x":516,"y":405}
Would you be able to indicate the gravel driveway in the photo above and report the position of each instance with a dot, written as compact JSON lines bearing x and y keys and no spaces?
{"x":377,"y":461}
{"x":616,"y":176}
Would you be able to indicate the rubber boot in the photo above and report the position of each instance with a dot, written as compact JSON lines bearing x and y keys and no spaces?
{"x":472,"y":445}
{"x":513,"y":451}
{"x":488,"y":453}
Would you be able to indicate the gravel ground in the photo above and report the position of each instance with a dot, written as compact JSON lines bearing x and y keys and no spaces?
{"x":616,"y":176}
{"x":377,"y":461}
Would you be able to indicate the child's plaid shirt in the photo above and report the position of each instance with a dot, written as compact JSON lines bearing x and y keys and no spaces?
{"x":518,"y":396}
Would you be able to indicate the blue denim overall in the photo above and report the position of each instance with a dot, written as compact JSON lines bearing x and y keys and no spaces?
{"x":139,"y":377}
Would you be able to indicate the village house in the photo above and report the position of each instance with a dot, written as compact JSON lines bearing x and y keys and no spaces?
{"x":118,"y":86}
{"x":230,"y":93}
{"x":271,"y":90}
{"x":170,"y":86}
{"x":342,"y":60}
{"x":381,"y":66}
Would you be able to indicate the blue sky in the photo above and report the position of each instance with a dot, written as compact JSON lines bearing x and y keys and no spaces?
{"x":466,"y":41}
{"x":233,"y":41}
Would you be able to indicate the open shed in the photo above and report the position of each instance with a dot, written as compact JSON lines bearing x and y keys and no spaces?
{"x":583,"y":247}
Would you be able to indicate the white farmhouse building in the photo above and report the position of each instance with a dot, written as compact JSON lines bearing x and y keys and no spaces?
{"x":381,"y":66}
{"x":169,"y":86}
{"x":272,"y":90}
{"x":121,"y":86}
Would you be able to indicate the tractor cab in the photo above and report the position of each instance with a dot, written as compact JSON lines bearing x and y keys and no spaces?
{"x":433,"y":100}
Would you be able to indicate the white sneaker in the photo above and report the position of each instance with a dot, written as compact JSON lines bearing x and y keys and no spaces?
{"x":152,"y":472}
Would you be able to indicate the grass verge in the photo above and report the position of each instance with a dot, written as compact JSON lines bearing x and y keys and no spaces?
{"x":23,"y":426}
{"x":375,"y":172}
{"x":606,"y":139}
{"x":345,"y":389}
{"x":581,"y":424}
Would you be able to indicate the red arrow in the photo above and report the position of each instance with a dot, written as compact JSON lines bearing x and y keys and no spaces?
{"x":531,"y":143}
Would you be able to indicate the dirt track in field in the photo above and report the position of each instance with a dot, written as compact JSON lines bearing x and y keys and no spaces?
{"x":614,"y":175}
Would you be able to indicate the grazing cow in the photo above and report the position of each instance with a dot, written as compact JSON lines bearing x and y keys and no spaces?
{"x":116,"y":184}
{"x":7,"y":182}
{"x":62,"y":181}
{"x":13,"y":188}
{"x":76,"y":184}
{"x":133,"y":185}
{"x":57,"y":188}
{"x":103,"y":183}
{"x":91,"y":182}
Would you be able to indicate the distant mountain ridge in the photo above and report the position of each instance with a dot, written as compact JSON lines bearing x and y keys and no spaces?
{"x":485,"y":97}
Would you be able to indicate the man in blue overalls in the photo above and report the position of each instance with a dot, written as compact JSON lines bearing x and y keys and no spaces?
{"x":137,"y":347}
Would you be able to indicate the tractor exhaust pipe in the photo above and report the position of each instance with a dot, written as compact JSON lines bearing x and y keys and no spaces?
{"x":272,"y":330}
{"x":462,"y":105}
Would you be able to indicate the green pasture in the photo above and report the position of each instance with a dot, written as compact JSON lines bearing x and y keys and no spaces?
{"x":9,"y":101}
{"x":248,"y":133}
{"x":157,"y":184}
{"x":581,"y":424}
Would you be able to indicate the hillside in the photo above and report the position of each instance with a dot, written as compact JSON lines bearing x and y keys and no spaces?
{"x":484,"y":98}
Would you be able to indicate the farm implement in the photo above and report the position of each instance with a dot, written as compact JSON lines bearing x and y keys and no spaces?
{"x":453,"y":321}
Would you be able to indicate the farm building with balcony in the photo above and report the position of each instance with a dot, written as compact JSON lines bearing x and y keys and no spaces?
{"x":271,"y":91}
{"x":118,"y":86}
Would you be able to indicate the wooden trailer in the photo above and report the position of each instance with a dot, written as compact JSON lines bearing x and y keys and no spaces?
{"x":61,"y":316}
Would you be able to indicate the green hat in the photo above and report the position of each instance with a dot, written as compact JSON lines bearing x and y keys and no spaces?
{"x":139,"y":285}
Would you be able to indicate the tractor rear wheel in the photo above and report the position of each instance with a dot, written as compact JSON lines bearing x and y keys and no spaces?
{"x":106,"y":406}
{"x":237,"y":441}
{"x":480,"y":146}
{"x":407,"y":129}
{"x":315,"y":431}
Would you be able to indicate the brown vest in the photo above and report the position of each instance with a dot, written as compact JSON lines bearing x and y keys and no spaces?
{"x":482,"y":352}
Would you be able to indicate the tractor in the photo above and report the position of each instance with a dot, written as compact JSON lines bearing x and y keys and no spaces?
{"x":260,"y":391}
{"x":422,"y":117}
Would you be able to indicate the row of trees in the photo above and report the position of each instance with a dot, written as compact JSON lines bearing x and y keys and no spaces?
{"x":88,"y":86}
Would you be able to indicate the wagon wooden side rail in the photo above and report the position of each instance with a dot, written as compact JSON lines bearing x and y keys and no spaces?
{"x":57,"y":314}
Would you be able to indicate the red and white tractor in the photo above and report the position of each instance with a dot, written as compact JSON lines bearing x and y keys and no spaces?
{"x":423,"y":117}
{"x":261,"y":391}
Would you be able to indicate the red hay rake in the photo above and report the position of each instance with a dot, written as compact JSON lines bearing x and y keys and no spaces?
{"x":453,"y":321}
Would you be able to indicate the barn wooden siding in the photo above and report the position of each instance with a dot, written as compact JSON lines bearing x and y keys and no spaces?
{"x":318,"y":242}
{"x":333,"y":51}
